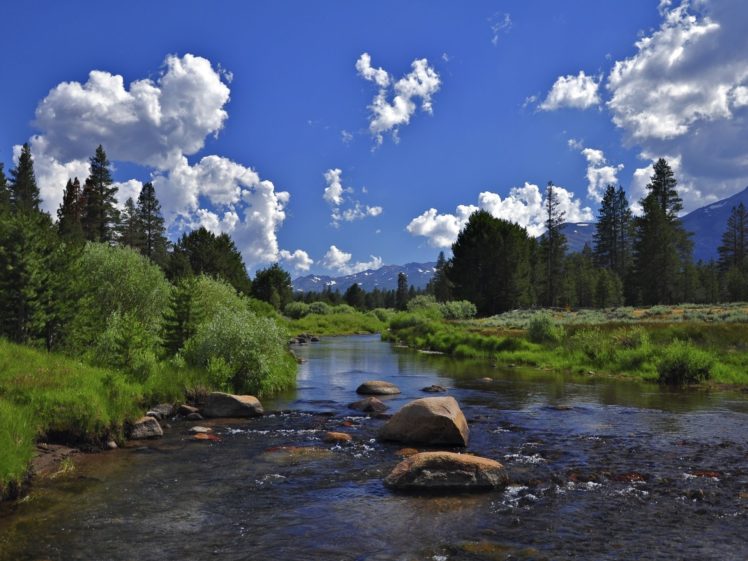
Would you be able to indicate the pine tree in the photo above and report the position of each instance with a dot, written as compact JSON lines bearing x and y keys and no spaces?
{"x":273,"y":285}
{"x":69,"y":214}
{"x":154,"y":243}
{"x":130,"y":230}
{"x":182,"y":317}
{"x":552,"y":248}
{"x":355,"y":296}
{"x":100,"y":218}
{"x":734,"y":249}
{"x":439,"y":285}
{"x":23,"y":189}
{"x":612,"y":232}
{"x":662,"y":248}
{"x":4,"y":191}
{"x":401,"y":294}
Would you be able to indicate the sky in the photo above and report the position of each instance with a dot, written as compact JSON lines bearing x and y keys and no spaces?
{"x":338,"y":136}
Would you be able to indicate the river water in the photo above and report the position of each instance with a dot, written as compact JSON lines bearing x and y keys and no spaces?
{"x":599,"y":469}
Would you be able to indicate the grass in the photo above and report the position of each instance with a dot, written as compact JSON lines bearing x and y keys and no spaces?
{"x":624,"y":342}
{"x":48,"y":396}
{"x":337,"y":323}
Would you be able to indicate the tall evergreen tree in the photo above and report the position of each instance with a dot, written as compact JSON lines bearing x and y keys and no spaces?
{"x":154,"y":242}
{"x":439,"y":285}
{"x":401,"y":294}
{"x":662,"y":248}
{"x":4,"y":191}
{"x":490,"y":264}
{"x":355,"y":296}
{"x":612,"y":237}
{"x":273,"y":285}
{"x":23,"y":189}
{"x":70,"y":213}
{"x":552,"y":248}
{"x":101,"y":217}
{"x":734,"y":249}
{"x":182,"y":317}
{"x":130,"y":230}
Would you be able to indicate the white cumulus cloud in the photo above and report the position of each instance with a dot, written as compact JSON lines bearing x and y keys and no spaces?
{"x":577,"y":92}
{"x":523,"y":206}
{"x":421,"y":83}
{"x":298,"y":260}
{"x":599,"y":173}
{"x":157,"y":123}
{"x":335,"y":195}
{"x":340,"y":261}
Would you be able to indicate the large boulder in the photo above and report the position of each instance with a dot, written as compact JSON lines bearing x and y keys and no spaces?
{"x":146,"y":427}
{"x":431,"y":421}
{"x":377,"y":387}
{"x":446,"y":471}
{"x":219,"y":404}
{"x":368,"y":405}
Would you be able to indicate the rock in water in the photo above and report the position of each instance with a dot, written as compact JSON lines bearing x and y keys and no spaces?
{"x":368,"y":405}
{"x":377,"y":387}
{"x":434,"y":388}
{"x":185,"y":409}
{"x":146,"y":427}
{"x":337,"y":437}
{"x":430,"y":421}
{"x":446,"y":471}
{"x":219,"y":404}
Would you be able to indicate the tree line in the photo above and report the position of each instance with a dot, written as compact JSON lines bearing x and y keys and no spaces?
{"x":643,"y":260}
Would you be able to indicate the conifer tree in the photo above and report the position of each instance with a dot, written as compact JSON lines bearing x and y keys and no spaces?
{"x":4,"y":191}
{"x":439,"y":285}
{"x":401,"y":294}
{"x":612,"y":237}
{"x":273,"y":285}
{"x":100,"y":218}
{"x":154,"y":242}
{"x":662,"y":248}
{"x":734,"y":249}
{"x":24,"y":192}
{"x":182,"y":317}
{"x":70,"y":213}
{"x":355,"y":296}
{"x":130,"y":231}
{"x":552,"y":248}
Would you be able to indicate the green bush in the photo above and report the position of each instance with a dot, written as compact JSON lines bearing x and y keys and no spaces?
{"x":630,"y":338}
{"x":320,"y":308}
{"x":253,"y":351}
{"x":542,"y":329}
{"x":296,"y":310}
{"x":594,"y":344}
{"x":458,"y":310}
{"x":682,"y":363}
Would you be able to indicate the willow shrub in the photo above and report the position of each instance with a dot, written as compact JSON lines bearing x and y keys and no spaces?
{"x":682,"y":363}
{"x":243,"y":351}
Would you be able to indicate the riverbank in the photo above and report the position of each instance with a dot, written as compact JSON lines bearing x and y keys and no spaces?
{"x":642,"y":345}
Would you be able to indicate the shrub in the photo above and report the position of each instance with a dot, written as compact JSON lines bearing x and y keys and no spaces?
{"x":457,"y":310}
{"x":682,"y":363}
{"x":542,"y":329}
{"x":296,"y":310}
{"x":253,"y":351}
{"x":631,"y":338}
{"x":343,"y":309}
{"x":595,"y":345}
{"x":320,"y":308}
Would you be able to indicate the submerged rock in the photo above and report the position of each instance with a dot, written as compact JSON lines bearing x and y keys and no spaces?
{"x":194,"y":417}
{"x":434,"y":388}
{"x":430,"y":421}
{"x":219,"y":404}
{"x":377,"y":387}
{"x":185,"y":410}
{"x":200,"y":430}
{"x":368,"y":405}
{"x":336,"y":437}
{"x":161,"y":411}
{"x":146,"y":427}
{"x":446,"y":471}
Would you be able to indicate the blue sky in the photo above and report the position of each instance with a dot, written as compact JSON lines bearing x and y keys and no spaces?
{"x":244,"y":113}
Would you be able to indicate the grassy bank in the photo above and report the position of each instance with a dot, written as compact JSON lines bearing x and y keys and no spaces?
{"x":667,"y":350}
{"x":340,"y":320}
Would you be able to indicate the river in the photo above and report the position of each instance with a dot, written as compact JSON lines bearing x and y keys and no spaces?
{"x":600,"y":469}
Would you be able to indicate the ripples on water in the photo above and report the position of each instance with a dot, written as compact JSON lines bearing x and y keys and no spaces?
{"x":599,"y":470}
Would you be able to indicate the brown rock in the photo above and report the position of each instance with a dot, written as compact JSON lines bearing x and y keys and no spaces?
{"x":206,"y":436}
{"x":430,"y":421}
{"x":368,"y":405}
{"x":446,"y":471}
{"x":194,"y":417}
{"x":406,"y":452}
{"x":377,"y":387}
{"x":200,"y":430}
{"x":337,"y":437}
{"x":185,"y":410}
{"x":219,"y":404}
{"x":434,"y":388}
{"x":146,"y":427}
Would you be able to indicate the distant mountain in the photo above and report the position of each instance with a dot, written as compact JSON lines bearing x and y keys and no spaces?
{"x":384,"y":278}
{"x":707,"y":224}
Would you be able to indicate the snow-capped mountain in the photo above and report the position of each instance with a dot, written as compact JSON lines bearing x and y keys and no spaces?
{"x":384,"y":278}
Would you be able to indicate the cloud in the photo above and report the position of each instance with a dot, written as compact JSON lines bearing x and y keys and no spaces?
{"x":346,"y":137}
{"x":335,"y":193}
{"x":523,"y":205}
{"x":577,"y":92}
{"x":157,"y":123}
{"x":682,"y":95}
{"x":499,"y":23}
{"x":299,"y":260}
{"x":422,"y":82}
{"x":340,"y":261}
{"x":599,"y":173}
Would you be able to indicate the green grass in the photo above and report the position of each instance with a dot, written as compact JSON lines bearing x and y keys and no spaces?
{"x":674,"y":351}
{"x":45,"y":395}
{"x":336,"y":323}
